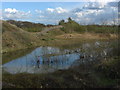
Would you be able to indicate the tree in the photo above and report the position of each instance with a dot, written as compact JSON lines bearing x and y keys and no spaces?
{"x":61,"y":22}
{"x":69,"y":19}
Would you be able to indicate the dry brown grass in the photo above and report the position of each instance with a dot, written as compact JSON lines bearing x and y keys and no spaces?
{"x":88,"y":36}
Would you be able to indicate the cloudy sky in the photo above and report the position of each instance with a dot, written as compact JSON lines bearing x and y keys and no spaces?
{"x":52,"y":12}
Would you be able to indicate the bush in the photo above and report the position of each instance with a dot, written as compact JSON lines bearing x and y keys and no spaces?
{"x":61,"y":22}
{"x":72,"y":26}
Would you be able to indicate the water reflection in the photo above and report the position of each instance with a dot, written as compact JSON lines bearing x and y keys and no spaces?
{"x":49,"y":59}
{"x":30,"y":63}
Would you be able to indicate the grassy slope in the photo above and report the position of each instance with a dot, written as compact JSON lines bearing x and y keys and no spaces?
{"x":16,"y":38}
{"x":28,"y":26}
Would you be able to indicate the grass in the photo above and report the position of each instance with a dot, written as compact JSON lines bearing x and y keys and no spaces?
{"x":65,"y":78}
{"x":106,"y":76}
{"x":102,"y":29}
{"x":6,"y":57}
{"x":28,"y":26}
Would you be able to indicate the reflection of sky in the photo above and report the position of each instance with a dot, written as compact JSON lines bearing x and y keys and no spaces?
{"x":63,"y":60}
{"x":28,"y":63}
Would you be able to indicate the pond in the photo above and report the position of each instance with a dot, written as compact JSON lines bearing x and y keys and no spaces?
{"x":50,"y":59}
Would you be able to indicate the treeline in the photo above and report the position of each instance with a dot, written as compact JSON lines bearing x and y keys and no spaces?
{"x":72,"y":26}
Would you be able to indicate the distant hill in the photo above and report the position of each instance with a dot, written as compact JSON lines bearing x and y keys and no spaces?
{"x":14,"y":37}
{"x":28,"y":26}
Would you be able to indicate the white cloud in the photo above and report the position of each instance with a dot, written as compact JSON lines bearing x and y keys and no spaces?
{"x":1,"y":18}
{"x":29,"y":12}
{"x":12,"y":13}
{"x":56,"y":10}
{"x":92,"y":13}
{"x":79,"y":14}
{"x":38,"y":11}
{"x":52,"y":15}
{"x":60,"y":10}
{"x":50,"y":9}
{"x":41,"y":16}
{"x":98,"y":13}
{"x":85,"y":16}
{"x":10,"y":10}
{"x":95,"y":5}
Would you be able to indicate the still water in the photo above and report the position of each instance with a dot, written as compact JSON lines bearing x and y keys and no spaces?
{"x":52,"y":59}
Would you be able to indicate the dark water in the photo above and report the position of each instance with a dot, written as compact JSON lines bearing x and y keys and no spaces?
{"x":52,"y":59}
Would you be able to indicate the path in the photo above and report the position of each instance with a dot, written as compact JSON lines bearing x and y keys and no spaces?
{"x":45,"y":30}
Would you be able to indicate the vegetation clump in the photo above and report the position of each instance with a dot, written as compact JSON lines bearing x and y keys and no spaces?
{"x":71,"y":26}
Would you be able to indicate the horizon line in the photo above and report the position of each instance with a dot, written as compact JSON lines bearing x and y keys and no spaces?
{"x":58,"y":23}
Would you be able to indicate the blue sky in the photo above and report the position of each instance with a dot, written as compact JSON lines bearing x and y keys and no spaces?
{"x":40,"y":5}
{"x":53,"y":12}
